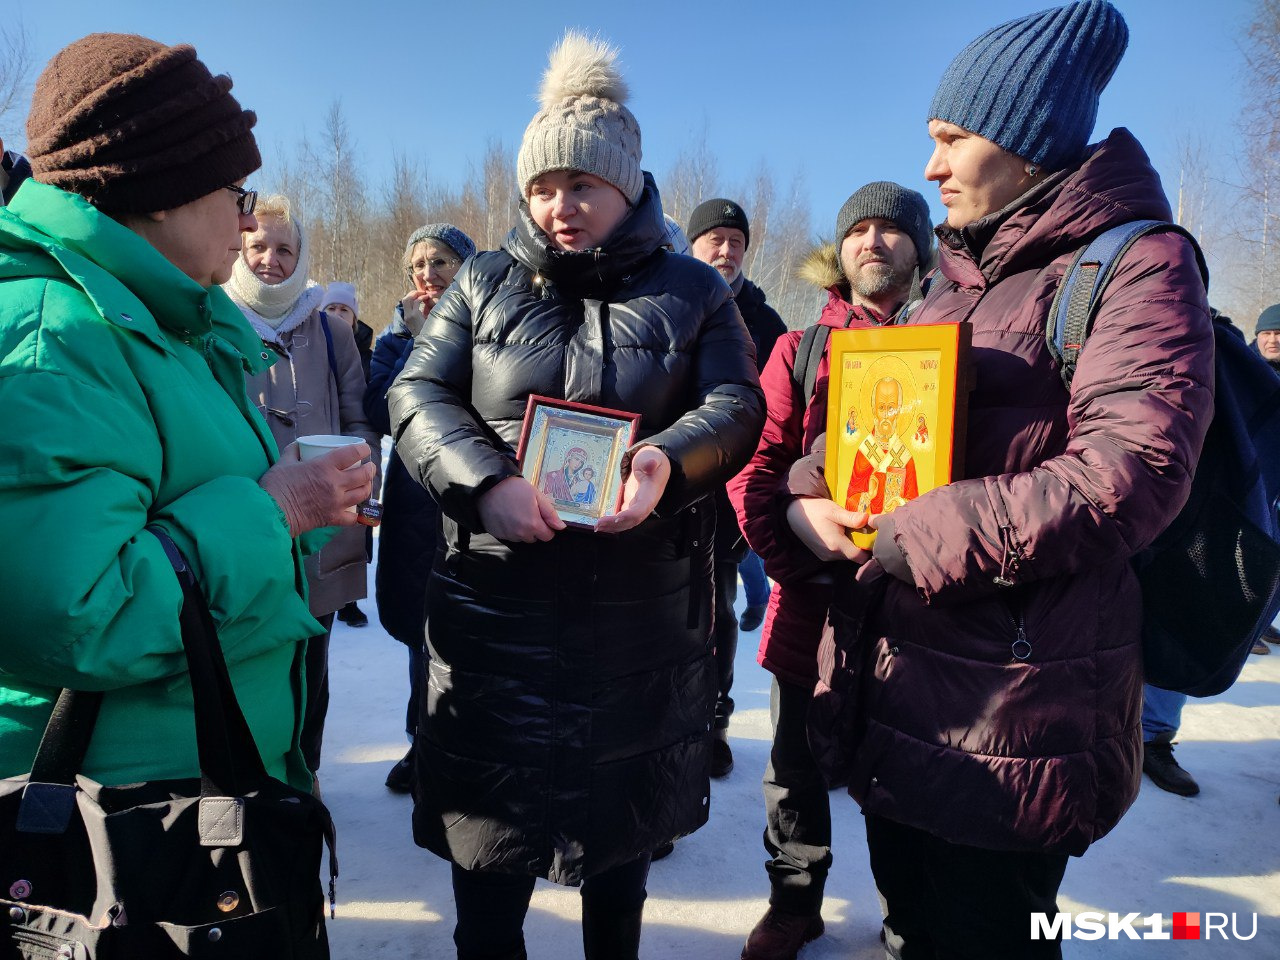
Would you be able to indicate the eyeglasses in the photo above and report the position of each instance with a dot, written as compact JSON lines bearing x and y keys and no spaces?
{"x":246,"y":199}
{"x":438,"y":263}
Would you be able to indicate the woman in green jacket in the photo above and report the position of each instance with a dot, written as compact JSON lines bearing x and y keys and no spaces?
{"x":122,"y":381}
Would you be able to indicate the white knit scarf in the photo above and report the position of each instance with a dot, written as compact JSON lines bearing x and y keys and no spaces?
{"x":275,"y":304}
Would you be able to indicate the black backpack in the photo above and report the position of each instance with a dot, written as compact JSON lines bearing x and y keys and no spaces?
{"x":1211,"y":580}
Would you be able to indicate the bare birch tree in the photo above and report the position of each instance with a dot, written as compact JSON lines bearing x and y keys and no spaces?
{"x":1259,"y":211}
{"x":15,"y":76}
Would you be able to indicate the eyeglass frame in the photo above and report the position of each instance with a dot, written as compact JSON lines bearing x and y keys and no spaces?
{"x":438,"y":263}
{"x":244,"y":198}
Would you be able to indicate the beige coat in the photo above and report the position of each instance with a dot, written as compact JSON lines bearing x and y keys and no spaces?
{"x":299,"y":396}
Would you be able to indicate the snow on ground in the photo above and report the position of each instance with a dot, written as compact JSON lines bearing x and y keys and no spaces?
{"x":1216,"y":852}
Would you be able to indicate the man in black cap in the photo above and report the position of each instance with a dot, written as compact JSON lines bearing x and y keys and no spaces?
{"x":719,"y":234}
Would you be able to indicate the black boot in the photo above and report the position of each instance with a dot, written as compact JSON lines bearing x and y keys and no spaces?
{"x":400,"y":779}
{"x":353,"y":616}
{"x":519,"y":954}
{"x":1159,"y":765}
{"x":721,"y":755}
{"x":612,"y":935}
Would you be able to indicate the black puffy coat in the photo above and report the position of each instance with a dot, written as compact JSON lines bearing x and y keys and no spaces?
{"x":765,"y":327}
{"x":565,"y":723}
{"x":410,"y":518}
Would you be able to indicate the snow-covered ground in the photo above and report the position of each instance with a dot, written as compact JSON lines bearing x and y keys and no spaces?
{"x":1218,"y":852}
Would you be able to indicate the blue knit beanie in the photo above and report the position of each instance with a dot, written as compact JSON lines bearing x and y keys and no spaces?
{"x":1032,"y":85}
{"x":446,"y":233}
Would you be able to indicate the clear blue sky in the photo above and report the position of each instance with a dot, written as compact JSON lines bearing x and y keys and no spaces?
{"x":835,"y":90}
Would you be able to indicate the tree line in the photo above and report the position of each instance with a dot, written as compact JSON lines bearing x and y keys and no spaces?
{"x":1227,"y":195}
{"x":357,"y":231}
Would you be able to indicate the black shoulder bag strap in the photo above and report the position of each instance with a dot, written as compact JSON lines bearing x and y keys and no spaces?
{"x":230,"y":763}
{"x":804,"y":373}
{"x":328,"y":346}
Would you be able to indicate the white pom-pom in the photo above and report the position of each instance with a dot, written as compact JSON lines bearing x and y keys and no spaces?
{"x":582,"y":66}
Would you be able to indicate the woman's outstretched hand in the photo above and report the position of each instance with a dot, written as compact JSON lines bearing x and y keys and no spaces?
{"x":647,"y":482}
{"x":517,"y":512}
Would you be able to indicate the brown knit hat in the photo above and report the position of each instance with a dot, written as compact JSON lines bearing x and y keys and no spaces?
{"x":134,"y":126}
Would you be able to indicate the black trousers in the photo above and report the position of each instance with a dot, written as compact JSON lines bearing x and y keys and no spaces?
{"x":726,"y":638}
{"x":492,"y":906}
{"x":947,"y":901}
{"x":316,"y":705}
{"x":797,"y":834}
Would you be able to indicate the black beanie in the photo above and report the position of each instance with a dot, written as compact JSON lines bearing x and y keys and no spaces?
{"x":718,"y":213}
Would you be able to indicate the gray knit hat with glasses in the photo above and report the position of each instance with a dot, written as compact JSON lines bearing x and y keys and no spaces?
{"x":446,"y":233}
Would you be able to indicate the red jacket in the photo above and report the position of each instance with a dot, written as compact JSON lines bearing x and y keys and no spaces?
{"x":802,"y":589}
{"x":954,"y":733}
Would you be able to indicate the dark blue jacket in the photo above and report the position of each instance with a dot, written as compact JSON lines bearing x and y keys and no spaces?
{"x":18,"y":169}
{"x":410,"y":518}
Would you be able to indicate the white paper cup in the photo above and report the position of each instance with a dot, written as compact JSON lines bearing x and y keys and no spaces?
{"x":318,"y":444}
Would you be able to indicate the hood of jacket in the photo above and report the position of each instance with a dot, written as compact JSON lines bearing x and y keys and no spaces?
{"x":586,"y":272}
{"x":62,"y":236}
{"x":1115,"y":184}
{"x":821,"y":267}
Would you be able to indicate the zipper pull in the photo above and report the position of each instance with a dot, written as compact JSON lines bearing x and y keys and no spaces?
{"x":1021,"y":647}
{"x":1009,"y":559}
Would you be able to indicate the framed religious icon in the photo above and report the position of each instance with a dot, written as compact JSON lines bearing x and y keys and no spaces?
{"x":572,"y":452}
{"x":896,"y":403}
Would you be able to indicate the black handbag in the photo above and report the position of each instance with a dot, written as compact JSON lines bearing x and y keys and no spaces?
{"x":224,"y":865}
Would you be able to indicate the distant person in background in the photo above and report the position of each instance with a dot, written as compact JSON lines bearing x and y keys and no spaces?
{"x":1267,"y":336}
{"x":14,"y":168}
{"x":410,"y":518}
{"x":1266,"y":343}
{"x":316,"y":386}
{"x":719,"y":234}
{"x":340,"y":304}
{"x":433,"y":262}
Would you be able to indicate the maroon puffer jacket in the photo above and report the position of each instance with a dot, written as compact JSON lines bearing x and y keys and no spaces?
{"x":802,"y":587}
{"x":957,"y":734}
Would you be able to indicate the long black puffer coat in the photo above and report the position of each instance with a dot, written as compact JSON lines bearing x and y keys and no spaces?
{"x":565,"y":722}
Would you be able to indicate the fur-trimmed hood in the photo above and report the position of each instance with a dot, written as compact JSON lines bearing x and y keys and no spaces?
{"x":821,"y":267}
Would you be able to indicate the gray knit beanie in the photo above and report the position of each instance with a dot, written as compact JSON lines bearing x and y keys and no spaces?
{"x":889,"y":201}
{"x":1269,"y":319}
{"x":583,"y":124}
{"x":1032,"y":85}
{"x":446,"y":233}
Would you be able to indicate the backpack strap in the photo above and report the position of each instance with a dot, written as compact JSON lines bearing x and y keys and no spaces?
{"x":804,"y":374}
{"x":328,"y":345}
{"x":1075,"y":304}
